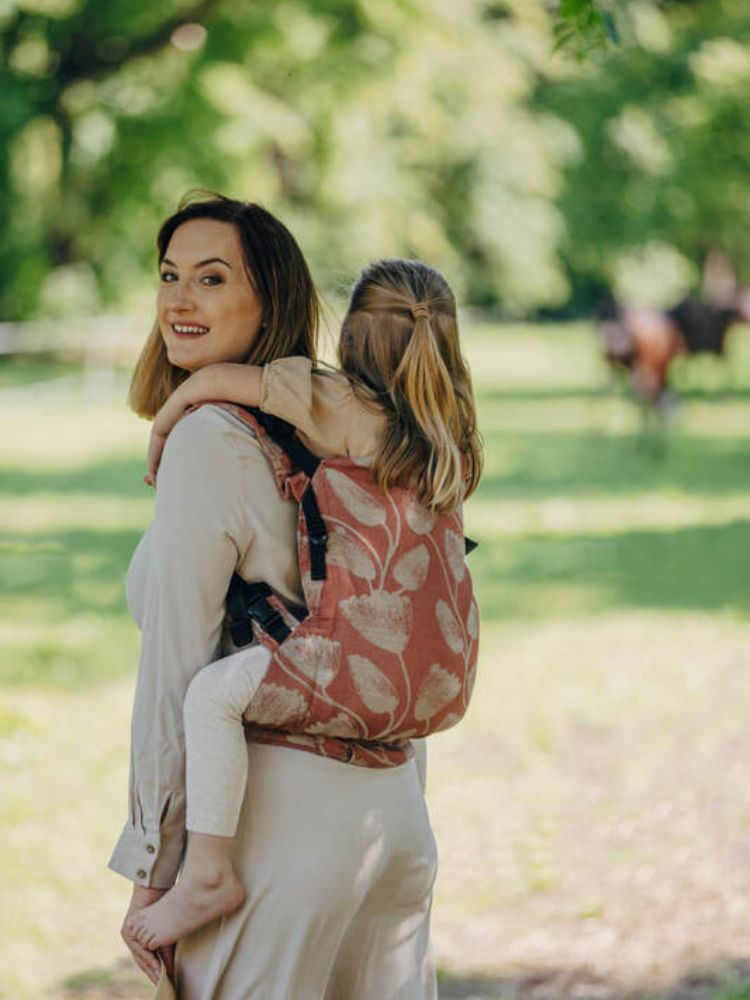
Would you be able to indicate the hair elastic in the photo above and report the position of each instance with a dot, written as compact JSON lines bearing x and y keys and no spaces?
{"x":420,"y":310}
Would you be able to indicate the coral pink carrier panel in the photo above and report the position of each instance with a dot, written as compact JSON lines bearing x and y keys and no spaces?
{"x":389,"y":649}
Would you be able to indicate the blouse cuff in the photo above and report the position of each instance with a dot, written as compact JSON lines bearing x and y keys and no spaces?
{"x":149,"y":857}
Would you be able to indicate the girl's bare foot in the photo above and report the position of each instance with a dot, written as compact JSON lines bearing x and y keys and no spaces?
{"x":194,"y":901}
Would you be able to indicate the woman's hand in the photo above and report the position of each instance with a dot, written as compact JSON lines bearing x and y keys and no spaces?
{"x":148,"y":961}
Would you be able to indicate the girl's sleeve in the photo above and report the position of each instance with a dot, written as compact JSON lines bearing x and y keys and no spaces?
{"x":321,"y":405}
{"x":199,"y":533}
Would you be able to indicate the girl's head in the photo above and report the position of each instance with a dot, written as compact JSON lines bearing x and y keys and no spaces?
{"x":234,"y":286}
{"x":399,"y":339}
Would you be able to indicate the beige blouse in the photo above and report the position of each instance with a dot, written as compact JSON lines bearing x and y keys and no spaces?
{"x":217,"y":510}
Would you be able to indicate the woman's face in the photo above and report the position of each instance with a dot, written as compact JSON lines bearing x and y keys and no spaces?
{"x":207,"y":309}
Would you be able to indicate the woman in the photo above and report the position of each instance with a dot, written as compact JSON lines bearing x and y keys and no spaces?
{"x":337,"y":861}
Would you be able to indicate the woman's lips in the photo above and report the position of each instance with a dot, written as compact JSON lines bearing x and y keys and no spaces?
{"x":186,"y":331}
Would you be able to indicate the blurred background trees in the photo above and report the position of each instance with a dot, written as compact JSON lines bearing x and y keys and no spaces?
{"x":450,"y":130}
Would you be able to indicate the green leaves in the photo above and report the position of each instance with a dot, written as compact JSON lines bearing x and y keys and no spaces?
{"x":584,"y":26}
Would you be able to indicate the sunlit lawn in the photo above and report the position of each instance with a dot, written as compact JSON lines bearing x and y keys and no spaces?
{"x":592,"y":812}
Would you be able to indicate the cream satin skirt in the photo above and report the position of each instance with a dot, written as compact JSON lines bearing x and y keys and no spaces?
{"x":338,"y":863}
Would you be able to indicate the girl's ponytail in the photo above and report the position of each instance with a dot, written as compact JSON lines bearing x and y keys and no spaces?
{"x":400,"y":340}
{"x":422,"y":381}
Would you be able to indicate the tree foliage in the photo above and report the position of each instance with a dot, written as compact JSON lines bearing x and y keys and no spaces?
{"x":446,"y":129}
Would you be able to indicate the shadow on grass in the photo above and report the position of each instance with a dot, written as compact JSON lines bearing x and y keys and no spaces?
{"x":549,"y":464}
{"x":78,"y":571}
{"x":702,"y":568}
{"x":724,"y":981}
{"x":121,"y":476}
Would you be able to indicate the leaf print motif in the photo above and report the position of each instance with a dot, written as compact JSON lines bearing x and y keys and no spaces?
{"x":472,"y":622}
{"x":419,"y":519}
{"x":315,"y":656}
{"x":411,"y":569}
{"x":274,"y":705}
{"x":382,"y":618}
{"x":470,"y":678}
{"x":312,"y":590}
{"x":339,"y":725}
{"x":343,"y":550}
{"x":449,"y":627}
{"x":357,"y":501}
{"x":450,"y":720}
{"x":455,"y":549}
{"x":437,"y":690}
{"x":373,"y":687}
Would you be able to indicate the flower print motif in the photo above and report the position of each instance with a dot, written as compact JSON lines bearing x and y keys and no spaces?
{"x":312,"y":590}
{"x":450,"y":720}
{"x":455,"y":549}
{"x":277,"y":706}
{"x":382,"y":618}
{"x":449,"y":627}
{"x":343,"y":550}
{"x":472,"y":621}
{"x":357,"y":501}
{"x":411,"y":569}
{"x":340,"y":725}
{"x":419,"y":519}
{"x":470,"y":679}
{"x":437,"y":690}
{"x":315,"y":656}
{"x":373,"y":687}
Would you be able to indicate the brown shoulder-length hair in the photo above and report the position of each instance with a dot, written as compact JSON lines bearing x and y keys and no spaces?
{"x":278,"y":273}
{"x":400,"y":345}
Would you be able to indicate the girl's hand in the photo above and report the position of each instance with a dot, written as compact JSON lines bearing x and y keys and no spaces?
{"x":181,"y":400}
{"x":156,"y":443}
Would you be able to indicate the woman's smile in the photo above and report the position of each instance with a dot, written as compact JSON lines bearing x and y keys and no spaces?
{"x":189,"y":330}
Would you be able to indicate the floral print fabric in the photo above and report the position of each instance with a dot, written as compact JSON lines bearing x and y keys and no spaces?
{"x":389,"y":649}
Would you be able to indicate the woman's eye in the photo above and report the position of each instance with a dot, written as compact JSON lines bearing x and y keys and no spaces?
{"x":211,"y":279}
{"x":166,"y":277}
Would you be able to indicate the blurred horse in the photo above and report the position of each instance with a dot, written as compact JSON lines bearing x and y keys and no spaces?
{"x":644,"y":342}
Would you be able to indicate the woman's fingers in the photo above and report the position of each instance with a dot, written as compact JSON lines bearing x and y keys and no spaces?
{"x":146,"y":960}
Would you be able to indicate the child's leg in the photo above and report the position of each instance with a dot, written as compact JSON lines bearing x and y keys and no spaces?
{"x":216,"y":776}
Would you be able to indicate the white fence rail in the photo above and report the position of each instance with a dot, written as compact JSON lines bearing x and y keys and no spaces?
{"x":101,"y":344}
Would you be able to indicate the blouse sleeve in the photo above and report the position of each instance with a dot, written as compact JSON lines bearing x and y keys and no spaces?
{"x":198,"y":534}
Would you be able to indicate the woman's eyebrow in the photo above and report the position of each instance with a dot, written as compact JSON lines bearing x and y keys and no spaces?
{"x":208,"y":260}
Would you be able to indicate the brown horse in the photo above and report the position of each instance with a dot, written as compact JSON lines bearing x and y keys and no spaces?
{"x":647,"y":341}
{"x":644,"y":342}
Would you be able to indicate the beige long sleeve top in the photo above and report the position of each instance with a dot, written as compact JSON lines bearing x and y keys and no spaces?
{"x":217,"y":510}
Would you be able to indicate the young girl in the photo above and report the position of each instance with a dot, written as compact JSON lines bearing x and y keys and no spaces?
{"x":403,"y":400}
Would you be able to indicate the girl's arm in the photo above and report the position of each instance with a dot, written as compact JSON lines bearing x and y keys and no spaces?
{"x":234,"y":383}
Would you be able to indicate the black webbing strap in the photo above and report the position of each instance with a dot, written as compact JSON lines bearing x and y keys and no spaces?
{"x":285,"y":436}
{"x":248,"y":603}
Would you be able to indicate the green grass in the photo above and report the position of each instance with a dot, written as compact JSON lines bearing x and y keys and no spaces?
{"x":593,"y":801}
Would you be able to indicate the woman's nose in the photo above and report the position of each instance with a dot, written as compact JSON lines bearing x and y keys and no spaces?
{"x":180,"y":296}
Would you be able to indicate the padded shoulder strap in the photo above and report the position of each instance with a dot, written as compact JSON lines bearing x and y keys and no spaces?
{"x":285,"y":436}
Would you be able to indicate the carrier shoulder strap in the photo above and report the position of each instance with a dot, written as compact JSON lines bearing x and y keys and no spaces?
{"x":284,"y":435}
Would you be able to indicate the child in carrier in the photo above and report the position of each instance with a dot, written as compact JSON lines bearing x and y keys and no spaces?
{"x":402,"y":407}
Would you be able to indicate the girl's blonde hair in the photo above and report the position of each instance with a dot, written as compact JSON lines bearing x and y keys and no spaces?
{"x":278,"y":272}
{"x":399,"y":344}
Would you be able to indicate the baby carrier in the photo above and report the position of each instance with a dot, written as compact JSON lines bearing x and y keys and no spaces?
{"x":386,"y":648}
